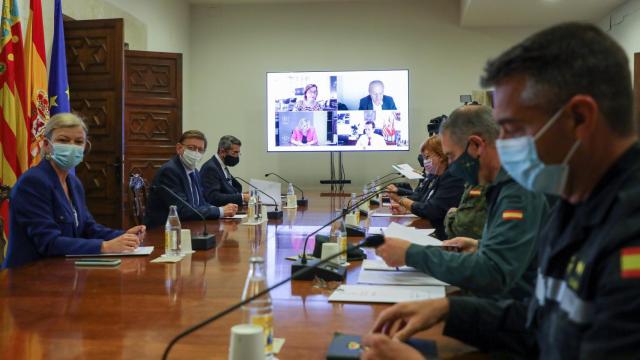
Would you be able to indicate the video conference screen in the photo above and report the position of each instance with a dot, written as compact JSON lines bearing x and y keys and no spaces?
{"x":338,"y":111}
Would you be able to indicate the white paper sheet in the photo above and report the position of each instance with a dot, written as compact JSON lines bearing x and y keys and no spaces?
{"x":385,"y":294}
{"x":407,"y":171}
{"x":388,"y":214}
{"x":142,"y":250}
{"x":380,"y":265}
{"x":236,"y":216}
{"x":395,"y":278}
{"x":415,"y":236}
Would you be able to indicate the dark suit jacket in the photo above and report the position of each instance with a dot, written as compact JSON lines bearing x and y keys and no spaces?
{"x":42,"y":223}
{"x":446,"y":191}
{"x":387,"y":103}
{"x":215,"y":186}
{"x":173,"y":175}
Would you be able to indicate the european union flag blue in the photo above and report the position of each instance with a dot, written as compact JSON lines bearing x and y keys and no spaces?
{"x":58,"y":81}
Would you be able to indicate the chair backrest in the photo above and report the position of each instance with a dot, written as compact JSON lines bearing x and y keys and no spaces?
{"x":138,"y":190}
{"x":5,"y":190}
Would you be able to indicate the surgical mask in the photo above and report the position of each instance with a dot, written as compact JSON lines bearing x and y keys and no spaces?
{"x":191,"y":158}
{"x":466,"y":167}
{"x":231,"y":160}
{"x":519,"y":157}
{"x":429,"y":168}
{"x":67,"y":156}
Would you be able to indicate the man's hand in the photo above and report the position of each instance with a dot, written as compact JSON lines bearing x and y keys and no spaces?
{"x":123,"y":243}
{"x":229,"y":210}
{"x":393,"y":251}
{"x":403,"y":320}
{"x":140,"y":231}
{"x":382,"y":347}
{"x":245,"y":197}
{"x":394,"y":197}
{"x":463,"y":244}
{"x":397,"y":209}
{"x":392,"y":189}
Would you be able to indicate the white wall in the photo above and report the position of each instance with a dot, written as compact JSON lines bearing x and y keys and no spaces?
{"x":234,"y":46}
{"x":623,"y":24}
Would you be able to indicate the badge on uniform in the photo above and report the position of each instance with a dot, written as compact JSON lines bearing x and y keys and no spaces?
{"x":512,"y":215}
{"x":630,"y":262}
{"x":474,"y":193}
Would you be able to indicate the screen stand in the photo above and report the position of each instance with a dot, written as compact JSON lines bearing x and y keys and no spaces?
{"x":337,"y":183}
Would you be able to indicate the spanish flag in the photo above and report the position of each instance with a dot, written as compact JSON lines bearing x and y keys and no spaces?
{"x":38,"y":104}
{"x":512,"y":215}
{"x":475,"y":193}
{"x":630,"y":262}
{"x":14,"y":133}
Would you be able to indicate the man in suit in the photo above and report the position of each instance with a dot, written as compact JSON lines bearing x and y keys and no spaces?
{"x":219,"y":185}
{"x":181,"y":176}
{"x":377,"y":100}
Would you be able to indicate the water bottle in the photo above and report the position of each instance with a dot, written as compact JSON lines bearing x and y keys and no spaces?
{"x":291,"y":197}
{"x":172,"y":233}
{"x":259,"y":208}
{"x":339,"y":236}
{"x":251,"y":206}
{"x":259,"y":311}
{"x":365,"y":205}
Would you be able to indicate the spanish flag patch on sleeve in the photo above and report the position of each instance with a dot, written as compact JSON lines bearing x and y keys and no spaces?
{"x":475,"y":193}
{"x":512,"y":215}
{"x":630,"y":262}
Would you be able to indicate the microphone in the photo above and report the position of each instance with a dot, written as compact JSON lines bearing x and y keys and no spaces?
{"x":275,"y":214}
{"x":301,"y":202}
{"x":372,"y":241}
{"x":377,"y":182}
{"x":203,"y":241}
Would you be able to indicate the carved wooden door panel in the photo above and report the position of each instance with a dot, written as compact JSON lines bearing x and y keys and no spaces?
{"x":94,"y":50}
{"x":636,"y":86}
{"x":153,"y":114}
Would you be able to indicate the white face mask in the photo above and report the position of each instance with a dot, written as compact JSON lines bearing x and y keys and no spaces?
{"x":191,"y":158}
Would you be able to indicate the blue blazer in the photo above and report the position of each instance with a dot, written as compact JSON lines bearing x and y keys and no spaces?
{"x":217,"y":190}
{"x":387,"y":103}
{"x":173,"y":175}
{"x":42,"y":223}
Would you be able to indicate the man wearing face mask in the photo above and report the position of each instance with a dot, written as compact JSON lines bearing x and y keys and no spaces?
{"x":48,"y":213}
{"x":564,"y":101}
{"x":181,"y":176}
{"x":219,"y":186}
{"x":500,"y":265}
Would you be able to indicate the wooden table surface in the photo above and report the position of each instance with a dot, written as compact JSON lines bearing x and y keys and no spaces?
{"x":53,"y":309}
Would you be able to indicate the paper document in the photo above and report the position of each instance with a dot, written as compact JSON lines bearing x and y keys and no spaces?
{"x":395,"y":278}
{"x":380,"y":265}
{"x":236,"y":216}
{"x":142,"y":250}
{"x":385,"y":294}
{"x":415,"y":236}
{"x":388,"y":214}
{"x":407,"y":171}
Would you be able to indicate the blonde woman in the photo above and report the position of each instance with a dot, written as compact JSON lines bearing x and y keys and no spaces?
{"x":304,"y":134}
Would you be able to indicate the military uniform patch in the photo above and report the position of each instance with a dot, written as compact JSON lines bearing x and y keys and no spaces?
{"x":475,"y":193}
{"x":630,"y":262}
{"x":512,"y":215}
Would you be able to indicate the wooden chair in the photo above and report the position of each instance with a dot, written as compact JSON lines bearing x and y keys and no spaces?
{"x":138,"y":191}
{"x":5,"y":190}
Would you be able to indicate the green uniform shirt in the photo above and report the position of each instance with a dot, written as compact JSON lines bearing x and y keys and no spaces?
{"x":503,"y":263}
{"x":469,"y":217}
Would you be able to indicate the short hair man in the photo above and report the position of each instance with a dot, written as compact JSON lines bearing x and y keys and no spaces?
{"x":181,"y":176}
{"x":369,"y":139}
{"x":500,"y":264}
{"x":377,"y":100}
{"x":564,"y":102}
{"x":219,"y":185}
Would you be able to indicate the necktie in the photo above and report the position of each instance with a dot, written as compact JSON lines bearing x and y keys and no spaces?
{"x":194,"y":189}
{"x":369,"y":141}
{"x":229,"y":177}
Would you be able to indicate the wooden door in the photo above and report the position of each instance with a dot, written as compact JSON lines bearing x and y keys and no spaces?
{"x":152,"y":116}
{"x":94,"y":51}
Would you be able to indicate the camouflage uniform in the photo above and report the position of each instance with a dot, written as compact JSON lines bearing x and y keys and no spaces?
{"x":469,"y":217}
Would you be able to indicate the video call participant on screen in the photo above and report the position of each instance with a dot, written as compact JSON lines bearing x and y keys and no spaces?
{"x":304,"y":134}
{"x":218,"y":184}
{"x":309,"y":102}
{"x":370,"y":140}
{"x":181,"y":176}
{"x":377,"y":100}
{"x":48,"y":213}
{"x":437,"y":195}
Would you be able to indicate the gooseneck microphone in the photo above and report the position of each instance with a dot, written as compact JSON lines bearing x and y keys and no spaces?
{"x":203,"y":241}
{"x":301,"y":202}
{"x":387,"y":175}
{"x":275,"y":214}
{"x":372,"y":241}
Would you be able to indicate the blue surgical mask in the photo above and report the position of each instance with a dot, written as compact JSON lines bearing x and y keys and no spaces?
{"x":466,"y":167}
{"x":519,"y":157}
{"x":67,"y":156}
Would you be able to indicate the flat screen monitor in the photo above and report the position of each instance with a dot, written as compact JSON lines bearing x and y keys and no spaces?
{"x":338,"y":111}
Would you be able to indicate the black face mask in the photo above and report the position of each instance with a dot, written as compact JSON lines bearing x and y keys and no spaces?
{"x":421,"y":160}
{"x":466,"y":167}
{"x":231,"y":160}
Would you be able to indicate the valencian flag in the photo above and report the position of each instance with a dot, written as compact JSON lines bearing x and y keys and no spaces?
{"x":58,"y":83}
{"x":38,"y":104}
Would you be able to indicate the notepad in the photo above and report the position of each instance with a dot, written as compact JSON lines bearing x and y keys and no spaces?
{"x":413,"y":235}
{"x":141,"y":250}
{"x":398,"y":278}
{"x":385,"y":294}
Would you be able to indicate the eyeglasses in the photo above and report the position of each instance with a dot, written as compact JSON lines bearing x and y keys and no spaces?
{"x":194,"y":148}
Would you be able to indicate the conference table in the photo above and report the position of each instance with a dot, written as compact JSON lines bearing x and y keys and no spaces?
{"x":53,"y":309}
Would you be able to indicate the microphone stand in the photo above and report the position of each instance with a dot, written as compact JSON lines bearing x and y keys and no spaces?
{"x":203,"y":241}
{"x":372,"y":241}
{"x":301,"y":202}
{"x":272,"y":215}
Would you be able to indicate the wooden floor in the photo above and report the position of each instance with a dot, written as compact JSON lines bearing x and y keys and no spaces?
{"x":52,"y":309}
